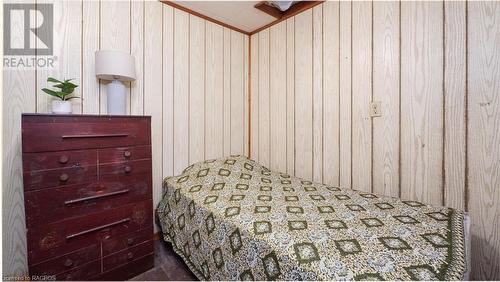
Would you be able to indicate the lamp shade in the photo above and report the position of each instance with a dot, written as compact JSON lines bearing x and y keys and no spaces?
{"x":114,"y":65}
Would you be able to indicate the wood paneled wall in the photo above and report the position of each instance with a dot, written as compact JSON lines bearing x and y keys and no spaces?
{"x":192,"y":78}
{"x":435,"y":69}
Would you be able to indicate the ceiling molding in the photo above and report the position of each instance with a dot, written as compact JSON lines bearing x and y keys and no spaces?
{"x":295,"y":9}
{"x":194,"y":13}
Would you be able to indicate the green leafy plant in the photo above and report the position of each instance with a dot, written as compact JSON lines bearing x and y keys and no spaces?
{"x":64,"y":89}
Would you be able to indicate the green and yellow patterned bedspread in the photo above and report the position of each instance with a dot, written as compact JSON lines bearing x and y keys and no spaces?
{"x":233,"y":219}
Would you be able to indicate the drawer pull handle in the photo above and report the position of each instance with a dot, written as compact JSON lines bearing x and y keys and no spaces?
{"x":63,"y":159}
{"x":127,"y":169}
{"x":96,"y":197}
{"x":68,"y":263}
{"x":94,"y":135}
{"x":127,"y":154}
{"x":97,"y":228}
{"x":130,"y":255}
{"x":64,"y":177}
{"x":130,"y":241}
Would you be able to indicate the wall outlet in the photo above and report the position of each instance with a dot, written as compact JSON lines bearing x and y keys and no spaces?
{"x":375,"y":109}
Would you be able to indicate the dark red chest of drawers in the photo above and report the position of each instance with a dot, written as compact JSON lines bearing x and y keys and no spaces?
{"x":87,"y":194}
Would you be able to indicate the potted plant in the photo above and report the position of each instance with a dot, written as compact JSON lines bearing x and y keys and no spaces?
{"x":65,"y":88}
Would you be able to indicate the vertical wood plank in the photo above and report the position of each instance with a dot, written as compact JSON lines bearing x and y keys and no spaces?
{"x":90,"y":43}
{"x":67,"y":47}
{"x":181,"y":91}
{"x":317,"y":126}
{"x":454,"y":99}
{"x":304,"y":95}
{"x":254,"y":102}
{"x":196,"y":89}
{"x":237,"y":104}
{"x":137,"y":50}
{"x":214,"y":92}
{"x":153,"y":90}
{"x":484,"y":137}
{"x":345,"y":93}
{"x":21,"y":98}
{"x":114,"y":35}
{"x":277,"y":99}
{"x":331,"y":93}
{"x":168,"y":90}
{"x":264,"y":96}
{"x":227,"y":92}
{"x":361,"y":95}
{"x":246,"y":84}
{"x":386,"y":91}
{"x":290,"y":96}
{"x":422,"y":102}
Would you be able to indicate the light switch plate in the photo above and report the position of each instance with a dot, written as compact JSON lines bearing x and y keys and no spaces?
{"x":375,"y":109}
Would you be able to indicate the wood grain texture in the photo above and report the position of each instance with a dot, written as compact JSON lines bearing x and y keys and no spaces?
{"x":214,"y":92}
{"x":137,"y":11}
{"x":67,"y":45}
{"x":454,"y":104}
{"x":237,"y":105}
{"x":254,"y":102}
{"x":345,"y":94}
{"x":290,"y":96}
{"x":422,"y":101}
{"x":114,"y":35}
{"x":484,"y":137}
{"x":264,"y":114}
{"x":277,"y":73}
{"x":196,"y":89}
{"x":331,"y":93}
{"x":304,"y":95}
{"x":227,"y":91}
{"x":361,"y":95}
{"x":386,"y":91}
{"x":317,"y":96}
{"x":168,"y":91}
{"x":20,"y":85}
{"x":153,"y":93}
{"x":89,"y":87}
{"x":246,"y":86}
{"x":181,"y":91}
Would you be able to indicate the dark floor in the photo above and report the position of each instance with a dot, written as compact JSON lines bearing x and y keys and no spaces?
{"x":168,"y":266}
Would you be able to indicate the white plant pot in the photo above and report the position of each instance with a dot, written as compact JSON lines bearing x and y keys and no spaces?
{"x":61,"y":107}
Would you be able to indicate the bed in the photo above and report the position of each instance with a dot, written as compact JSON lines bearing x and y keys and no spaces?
{"x":233,"y":219}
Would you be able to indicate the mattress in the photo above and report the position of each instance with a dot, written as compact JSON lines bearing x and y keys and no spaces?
{"x":233,"y":219}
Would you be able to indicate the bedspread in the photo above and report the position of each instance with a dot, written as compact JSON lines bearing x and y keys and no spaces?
{"x":233,"y":219}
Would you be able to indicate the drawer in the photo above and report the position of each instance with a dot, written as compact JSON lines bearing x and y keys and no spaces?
{"x":114,"y":245}
{"x":124,"y":171}
{"x":66,"y":262}
{"x":40,"y":179}
{"x":55,"y":204}
{"x":52,"y":133}
{"x":113,"y":155}
{"x":129,"y":270}
{"x":62,"y":159}
{"x":53,"y":239}
{"x":81,"y":273}
{"x":127,"y":255}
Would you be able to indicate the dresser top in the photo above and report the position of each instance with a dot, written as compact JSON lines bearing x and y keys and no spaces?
{"x":82,"y":115}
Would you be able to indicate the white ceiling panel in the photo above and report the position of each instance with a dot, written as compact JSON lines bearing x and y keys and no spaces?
{"x":240,"y":14}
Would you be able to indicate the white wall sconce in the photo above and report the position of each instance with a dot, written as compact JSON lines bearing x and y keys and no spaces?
{"x":117,"y":66}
